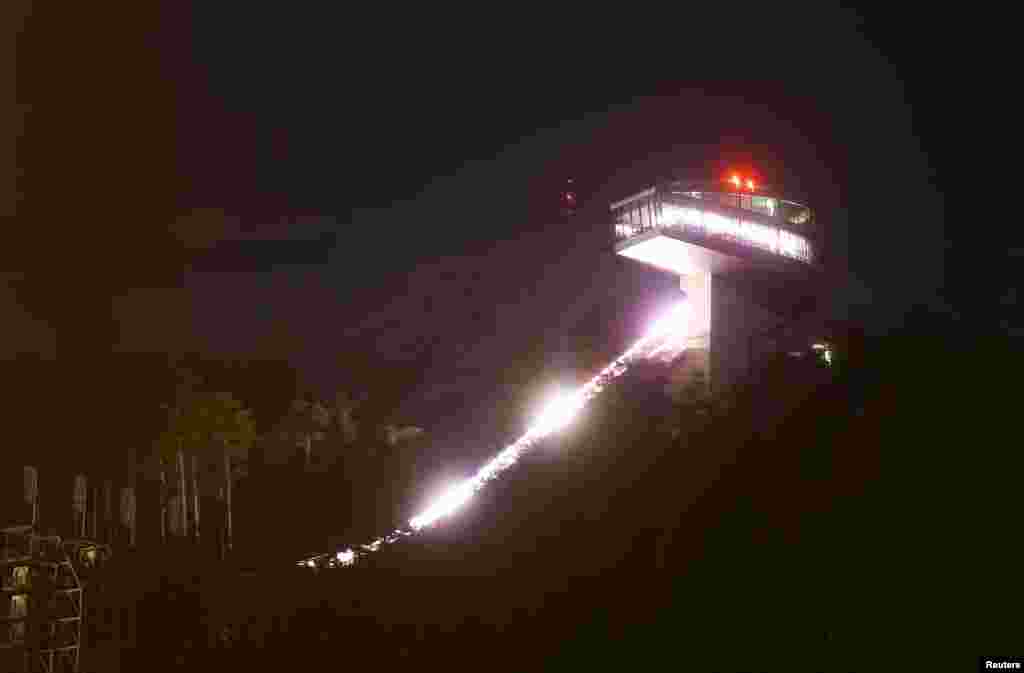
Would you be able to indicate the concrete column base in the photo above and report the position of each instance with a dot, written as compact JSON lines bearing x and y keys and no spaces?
{"x":697,"y":289}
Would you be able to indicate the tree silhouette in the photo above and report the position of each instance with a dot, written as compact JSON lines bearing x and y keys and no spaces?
{"x":209,"y":426}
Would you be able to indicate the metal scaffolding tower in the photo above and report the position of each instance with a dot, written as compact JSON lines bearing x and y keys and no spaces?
{"x":41,"y":603}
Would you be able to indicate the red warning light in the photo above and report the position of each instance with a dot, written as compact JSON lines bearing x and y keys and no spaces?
{"x":750,"y":185}
{"x":735,"y":180}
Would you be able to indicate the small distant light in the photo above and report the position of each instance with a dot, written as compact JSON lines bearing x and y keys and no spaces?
{"x":819,"y":347}
{"x":750,"y":185}
{"x":311,"y":563}
{"x":735,"y":180}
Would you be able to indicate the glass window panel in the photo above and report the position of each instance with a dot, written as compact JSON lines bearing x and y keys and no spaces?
{"x":763,"y":204}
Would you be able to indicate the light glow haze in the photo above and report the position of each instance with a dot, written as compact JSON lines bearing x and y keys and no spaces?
{"x":665,"y":339}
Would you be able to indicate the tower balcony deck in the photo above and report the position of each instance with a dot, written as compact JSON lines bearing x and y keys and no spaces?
{"x":684,"y":230}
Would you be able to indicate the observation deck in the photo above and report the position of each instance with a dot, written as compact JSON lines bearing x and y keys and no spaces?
{"x":689,"y":228}
{"x":747,"y":262}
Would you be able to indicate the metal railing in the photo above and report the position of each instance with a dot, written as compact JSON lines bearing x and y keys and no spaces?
{"x":711,"y":219}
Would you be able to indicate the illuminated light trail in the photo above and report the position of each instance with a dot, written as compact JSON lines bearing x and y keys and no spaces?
{"x":666,"y":338}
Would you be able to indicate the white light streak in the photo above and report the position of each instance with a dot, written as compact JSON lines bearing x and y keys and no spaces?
{"x":452,"y":499}
{"x":559,"y":412}
{"x":666,"y":337}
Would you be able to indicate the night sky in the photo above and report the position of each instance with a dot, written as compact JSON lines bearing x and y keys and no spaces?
{"x":365,"y":193}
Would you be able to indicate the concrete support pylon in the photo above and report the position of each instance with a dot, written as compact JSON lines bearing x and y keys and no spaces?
{"x":696,"y":287}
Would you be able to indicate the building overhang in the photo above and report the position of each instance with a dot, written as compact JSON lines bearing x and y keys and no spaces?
{"x":678,"y":252}
{"x":676,"y":255}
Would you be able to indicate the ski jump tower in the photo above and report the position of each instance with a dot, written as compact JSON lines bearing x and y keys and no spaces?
{"x":747,"y":261}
